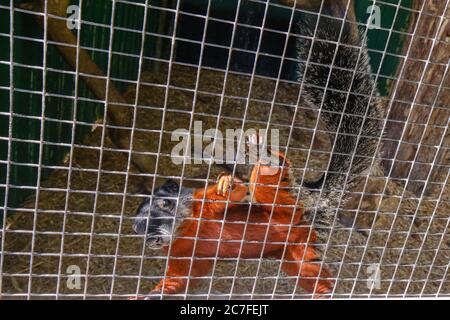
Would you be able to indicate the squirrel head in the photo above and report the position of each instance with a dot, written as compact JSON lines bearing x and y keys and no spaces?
{"x":159,"y":215}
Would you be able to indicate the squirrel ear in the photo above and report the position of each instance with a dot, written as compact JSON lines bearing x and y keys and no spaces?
{"x":171,"y":186}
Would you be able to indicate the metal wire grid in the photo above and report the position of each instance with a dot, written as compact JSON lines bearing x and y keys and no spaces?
{"x":102,"y":148}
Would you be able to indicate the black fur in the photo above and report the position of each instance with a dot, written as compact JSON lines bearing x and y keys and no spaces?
{"x":157,"y":216}
{"x":349,"y":107}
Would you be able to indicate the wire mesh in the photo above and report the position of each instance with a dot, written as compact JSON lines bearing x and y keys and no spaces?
{"x":67,"y":230}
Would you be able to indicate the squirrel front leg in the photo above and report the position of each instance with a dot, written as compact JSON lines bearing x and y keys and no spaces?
{"x":182,"y":254}
{"x":179,"y":268}
{"x":227,"y":188}
{"x":270,"y":175}
{"x":269,"y":184}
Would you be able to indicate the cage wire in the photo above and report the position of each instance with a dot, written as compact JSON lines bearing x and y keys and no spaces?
{"x":87,"y":115}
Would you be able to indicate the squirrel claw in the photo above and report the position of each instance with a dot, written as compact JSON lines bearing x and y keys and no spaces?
{"x":253,"y":139}
{"x":225,"y":183}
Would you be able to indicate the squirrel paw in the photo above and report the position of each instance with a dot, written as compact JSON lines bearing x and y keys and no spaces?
{"x":225,"y":182}
{"x":324,"y":289}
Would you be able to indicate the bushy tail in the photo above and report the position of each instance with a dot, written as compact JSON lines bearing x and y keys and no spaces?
{"x":337,"y":81}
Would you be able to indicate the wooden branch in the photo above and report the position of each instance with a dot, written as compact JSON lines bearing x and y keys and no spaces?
{"x":117,"y":113}
{"x":428,"y":92}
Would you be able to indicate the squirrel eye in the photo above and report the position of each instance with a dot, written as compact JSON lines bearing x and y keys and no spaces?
{"x":164,"y":203}
{"x":161,"y":203}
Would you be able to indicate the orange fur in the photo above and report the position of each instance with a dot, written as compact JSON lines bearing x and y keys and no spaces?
{"x":204,"y":231}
